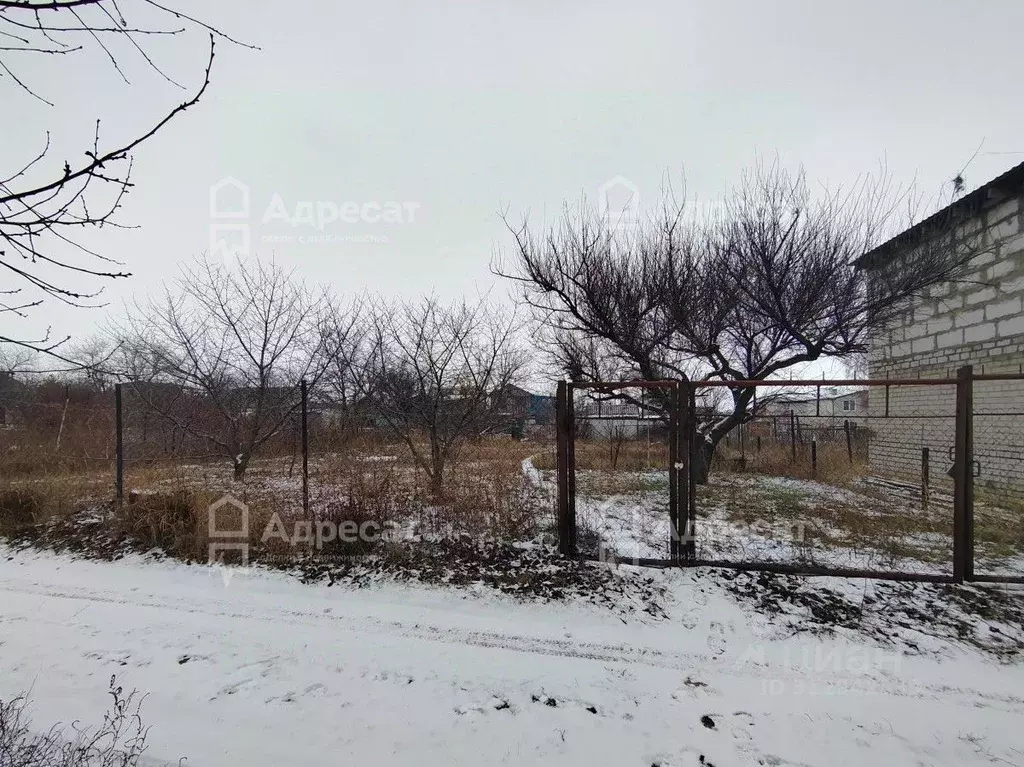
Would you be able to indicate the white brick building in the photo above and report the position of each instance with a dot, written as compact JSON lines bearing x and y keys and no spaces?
{"x":977,"y":319}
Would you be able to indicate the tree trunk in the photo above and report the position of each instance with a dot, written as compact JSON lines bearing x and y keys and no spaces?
{"x":704,"y":449}
{"x":241,"y":463}
{"x":703,"y":454}
{"x":436,"y":467}
{"x":436,"y":482}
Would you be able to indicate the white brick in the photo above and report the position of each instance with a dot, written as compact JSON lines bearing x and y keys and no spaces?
{"x":1005,"y":230}
{"x":963,"y":319}
{"x":917,"y":330}
{"x":985,"y":294}
{"x":923,"y":345}
{"x":940,"y":324}
{"x":983,"y":332}
{"x":952,"y":339}
{"x":1003,"y":308}
{"x":1007,"y":207}
{"x":899,"y":350}
{"x":1013,"y":247}
{"x":952,"y":303}
{"x":1012,"y":327}
{"x":1012,"y":286}
{"x":1002,"y":268}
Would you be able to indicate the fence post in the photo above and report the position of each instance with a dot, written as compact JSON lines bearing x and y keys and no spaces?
{"x":849,"y":440}
{"x":305,"y":449}
{"x":570,"y":463}
{"x":792,"y":435}
{"x":924,"y":478}
{"x":690,"y":437}
{"x":963,"y":480}
{"x":119,"y":445}
{"x":562,"y":469}
{"x":674,"y":473}
{"x":814,"y":457}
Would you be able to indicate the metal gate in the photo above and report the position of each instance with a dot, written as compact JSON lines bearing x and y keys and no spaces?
{"x":821,"y":477}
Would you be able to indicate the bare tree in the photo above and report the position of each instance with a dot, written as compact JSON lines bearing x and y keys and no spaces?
{"x":348,"y":332}
{"x":770,"y":281}
{"x":48,"y":203}
{"x":435,"y":375}
{"x":93,"y":356}
{"x":15,"y":359}
{"x":234,"y":345}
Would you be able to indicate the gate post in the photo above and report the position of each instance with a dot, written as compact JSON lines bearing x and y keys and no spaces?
{"x":963,"y":478}
{"x":561,"y":470}
{"x":676,"y":529}
{"x":688,"y":425}
{"x":570,"y":462}
{"x":565,"y":435}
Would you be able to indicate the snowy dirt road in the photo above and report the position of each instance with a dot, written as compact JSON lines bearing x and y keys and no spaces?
{"x":268,"y":671}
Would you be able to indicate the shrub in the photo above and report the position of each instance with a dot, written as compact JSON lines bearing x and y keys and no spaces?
{"x":19,"y":509}
{"x":172,"y":522}
{"x":118,"y":742}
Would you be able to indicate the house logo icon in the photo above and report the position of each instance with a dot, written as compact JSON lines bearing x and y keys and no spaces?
{"x":618,"y":201}
{"x":228,"y":536}
{"x":229,"y":198}
{"x":621,"y":521}
{"x":229,"y":220}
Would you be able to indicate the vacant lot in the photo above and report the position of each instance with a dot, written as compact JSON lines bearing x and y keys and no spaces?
{"x":775,"y":510}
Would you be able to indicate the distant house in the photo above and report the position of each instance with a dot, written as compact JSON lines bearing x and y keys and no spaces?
{"x":835,"y":404}
{"x":977,"y":319}
{"x":516,"y":409}
{"x":806,"y":416}
{"x":614,"y":419}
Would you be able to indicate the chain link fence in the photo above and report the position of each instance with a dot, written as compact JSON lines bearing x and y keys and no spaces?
{"x":831,"y":478}
{"x":911,"y":479}
{"x":998,"y":469}
{"x":57,"y":448}
{"x":843,"y":477}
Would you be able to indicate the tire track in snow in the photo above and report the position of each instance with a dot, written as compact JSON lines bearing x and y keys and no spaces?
{"x":689,"y":663}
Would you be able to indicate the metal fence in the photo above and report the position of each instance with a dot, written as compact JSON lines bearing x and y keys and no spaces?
{"x":903,"y":479}
{"x":57,"y":430}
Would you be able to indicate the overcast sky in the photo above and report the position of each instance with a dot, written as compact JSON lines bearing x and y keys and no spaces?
{"x":456,"y":111}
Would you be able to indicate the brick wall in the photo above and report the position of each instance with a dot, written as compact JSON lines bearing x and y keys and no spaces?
{"x":977,"y":320}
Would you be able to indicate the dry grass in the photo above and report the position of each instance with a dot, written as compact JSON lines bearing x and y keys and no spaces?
{"x":607,"y":456}
{"x":830,"y":525}
{"x":833,"y":466}
{"x":486,"y":495}
{"x":840,"y":507}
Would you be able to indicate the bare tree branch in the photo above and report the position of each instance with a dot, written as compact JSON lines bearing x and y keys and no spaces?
{"x":769,"y":281}
{"x":47,"y":204}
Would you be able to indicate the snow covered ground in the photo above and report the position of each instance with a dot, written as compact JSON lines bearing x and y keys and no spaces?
{"x":874,"y":525}
{"x":268,"y":671}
